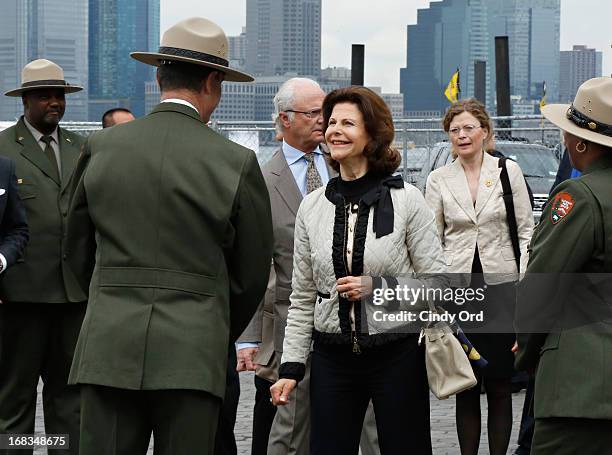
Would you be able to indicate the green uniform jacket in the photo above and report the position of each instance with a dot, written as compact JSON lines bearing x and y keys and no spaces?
{"x":574,"y":356}
{"x":42,"y":275}
{"x":177,"y":223}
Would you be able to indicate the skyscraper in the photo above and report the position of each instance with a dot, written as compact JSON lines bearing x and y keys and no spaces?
{"x":577,"y":66}
{"x":450,"y":34}
{"x":238,"y":49}
{"x":455,"y":33}
{"x":55,"y":30}
{"x":533,"y":31}
{"x":118,"y":27}
{"x":283,"y":36}
{"x":13,"y":54}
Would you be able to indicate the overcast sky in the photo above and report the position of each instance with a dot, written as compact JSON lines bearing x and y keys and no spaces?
{"x":381,"y":26}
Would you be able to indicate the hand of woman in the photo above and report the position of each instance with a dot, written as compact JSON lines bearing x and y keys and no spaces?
{"x":280,"y":391}
{"x":354,"y":287}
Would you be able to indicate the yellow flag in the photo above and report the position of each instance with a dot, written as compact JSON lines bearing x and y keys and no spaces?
{"x":543,"y":100}
{"x":452,"y":91}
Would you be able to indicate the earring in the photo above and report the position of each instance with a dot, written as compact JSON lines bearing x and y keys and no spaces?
{"x":582,"y":149}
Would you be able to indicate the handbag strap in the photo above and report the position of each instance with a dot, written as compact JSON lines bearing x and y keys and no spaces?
{"x":511,"y":215}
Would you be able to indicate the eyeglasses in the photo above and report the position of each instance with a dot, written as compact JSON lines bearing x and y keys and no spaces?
{"x":467,"y":129}
{"x":309,"y":114}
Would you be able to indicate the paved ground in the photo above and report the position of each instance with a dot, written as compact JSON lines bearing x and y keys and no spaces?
{"x":444,"y":437}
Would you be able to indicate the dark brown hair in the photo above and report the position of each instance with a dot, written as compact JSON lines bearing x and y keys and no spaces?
{"x":180,"y":75}
{"x":474,"y":107}
{"x":382,"y":158}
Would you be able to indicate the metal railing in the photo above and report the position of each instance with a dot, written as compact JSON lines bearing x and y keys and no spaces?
{"x":414,"y":138}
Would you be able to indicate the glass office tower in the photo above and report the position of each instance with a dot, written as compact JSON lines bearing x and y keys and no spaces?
{"x":52,"y":29}
{"x":455,"y":33}
{"x":283,"y":36}
{"x":118,"y":27}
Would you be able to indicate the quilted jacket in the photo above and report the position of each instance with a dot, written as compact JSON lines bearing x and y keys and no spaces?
{"x":316,"y":309}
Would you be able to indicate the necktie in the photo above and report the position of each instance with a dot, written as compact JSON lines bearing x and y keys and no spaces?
{"x":313,"y":178}
{"x":50,"y":154}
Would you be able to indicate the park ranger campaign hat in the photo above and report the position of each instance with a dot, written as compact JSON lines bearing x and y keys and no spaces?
{"x":589,"y":117}
{"x":195,"y":40}
{"x":41,"y":73}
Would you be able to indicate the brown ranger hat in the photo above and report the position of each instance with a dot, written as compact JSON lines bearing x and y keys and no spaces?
{"x":41,"y":73}
{"x":589,"y":117}
{"x":195,"y":40}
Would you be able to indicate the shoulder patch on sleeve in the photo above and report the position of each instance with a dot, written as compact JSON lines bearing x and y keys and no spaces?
{"x":562,"y":205}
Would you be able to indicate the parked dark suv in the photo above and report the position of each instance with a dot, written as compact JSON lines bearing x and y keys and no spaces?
{"x":538,"y":163}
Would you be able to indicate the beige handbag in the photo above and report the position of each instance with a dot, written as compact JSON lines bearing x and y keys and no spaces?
{"x":448,"y":367}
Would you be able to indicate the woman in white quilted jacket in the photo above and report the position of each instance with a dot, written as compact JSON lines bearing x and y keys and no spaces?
{"x":364,"y":224}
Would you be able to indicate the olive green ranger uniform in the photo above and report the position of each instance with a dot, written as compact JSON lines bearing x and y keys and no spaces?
{"x":43,"y":305}
{"x":176,"y":226}
{"x":573,"y":351}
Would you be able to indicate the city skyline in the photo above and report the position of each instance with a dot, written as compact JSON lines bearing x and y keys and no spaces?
{"x":106,"y":80}
{"x":456,"y":33}
{"x":117,"y":28}
{"x":283,"y":36}
{"x":33,"y":30}
{"x":577,"y":66}
{"x":383,"y":30}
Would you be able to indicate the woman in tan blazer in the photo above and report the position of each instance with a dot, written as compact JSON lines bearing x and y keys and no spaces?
{"x":466,"y":196}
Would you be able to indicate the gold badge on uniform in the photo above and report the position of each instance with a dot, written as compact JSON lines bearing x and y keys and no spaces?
{"x":488,"y":182}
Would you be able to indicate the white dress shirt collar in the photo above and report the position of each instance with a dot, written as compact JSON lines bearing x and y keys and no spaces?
{"x":181,"y":101}
{"x":292,"y":154}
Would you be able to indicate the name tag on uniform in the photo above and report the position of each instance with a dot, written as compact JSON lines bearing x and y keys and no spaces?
{"x":19,"y":181}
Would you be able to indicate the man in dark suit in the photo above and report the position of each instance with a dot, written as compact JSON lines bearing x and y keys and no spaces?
{"x":176,"y":222}
{"x":43,"y":304}
{"x":13,"y":226}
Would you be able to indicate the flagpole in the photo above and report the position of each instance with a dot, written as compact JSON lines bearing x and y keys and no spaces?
{"x":458,"y":83}
{"x":542,"y":104}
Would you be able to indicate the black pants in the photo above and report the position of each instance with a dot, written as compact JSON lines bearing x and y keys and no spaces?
{"x":120,"y":422}
{"x":37,"y":340}
{"x":392,"y":375}
{"x":263,"y":416}
{"x":225,"y":441}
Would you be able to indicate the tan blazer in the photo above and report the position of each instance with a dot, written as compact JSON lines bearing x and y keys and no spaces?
{"x":268,"y":324}
{"x":463,"y":226}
